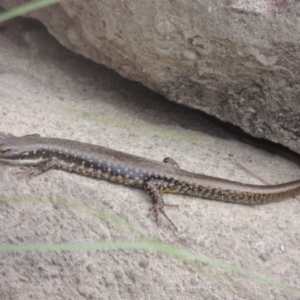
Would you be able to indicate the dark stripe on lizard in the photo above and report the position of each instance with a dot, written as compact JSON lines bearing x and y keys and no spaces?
{"x":42,"y":154}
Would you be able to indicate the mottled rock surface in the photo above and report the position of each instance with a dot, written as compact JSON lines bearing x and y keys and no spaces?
{"x":49,"y":90}
{"x":235,"y":59}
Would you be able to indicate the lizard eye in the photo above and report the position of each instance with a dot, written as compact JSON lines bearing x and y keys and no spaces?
{"x":4,"y":149}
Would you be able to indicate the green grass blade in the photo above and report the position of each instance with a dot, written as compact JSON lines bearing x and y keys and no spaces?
{"x":177,"y":253}
{"x":25,"y":8}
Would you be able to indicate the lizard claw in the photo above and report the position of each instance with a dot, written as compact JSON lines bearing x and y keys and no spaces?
{"x":28,"y":172}
{"x":157,"y":209}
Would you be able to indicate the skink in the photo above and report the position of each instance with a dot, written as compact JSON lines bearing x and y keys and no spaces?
{"x":42,"y":154}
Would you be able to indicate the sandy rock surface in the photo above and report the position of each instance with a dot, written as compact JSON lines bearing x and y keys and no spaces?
{"x":46,"y":89}
{"x":236,"y":60}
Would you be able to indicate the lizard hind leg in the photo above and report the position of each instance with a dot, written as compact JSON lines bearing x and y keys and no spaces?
{"x":152,"y":188}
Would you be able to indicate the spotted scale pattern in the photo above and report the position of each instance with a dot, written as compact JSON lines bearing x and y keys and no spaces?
{"x":42,"y":154}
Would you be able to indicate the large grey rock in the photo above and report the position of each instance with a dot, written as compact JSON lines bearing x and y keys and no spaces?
{"x":48,"y":90}
{"x":237,"y":60}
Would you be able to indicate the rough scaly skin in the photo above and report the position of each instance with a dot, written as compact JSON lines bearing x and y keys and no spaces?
{"x":42,"y":154}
